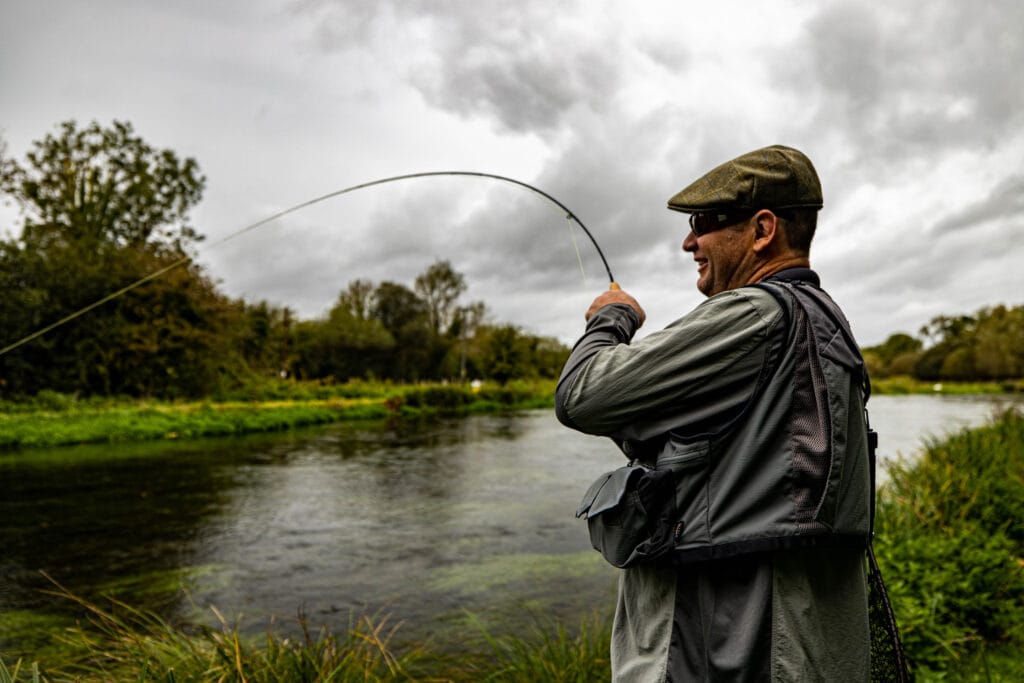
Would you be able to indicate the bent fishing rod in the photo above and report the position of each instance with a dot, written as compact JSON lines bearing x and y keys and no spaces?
{"x":316,"y":200}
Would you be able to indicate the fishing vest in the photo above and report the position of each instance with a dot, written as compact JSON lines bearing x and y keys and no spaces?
{"x":794,"y":467}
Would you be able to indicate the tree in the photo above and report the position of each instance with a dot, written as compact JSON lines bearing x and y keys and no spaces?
{"x":101,"y":209}
{"x":404,"y":315}
{"x":505,"y":353}
{"x":895,"y":356}
{"x":357,"y":299}
{"x":103,"y":186}
{"x":440,"y":287}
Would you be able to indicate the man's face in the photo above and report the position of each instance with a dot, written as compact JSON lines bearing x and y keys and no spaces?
{"x":723,"y":257}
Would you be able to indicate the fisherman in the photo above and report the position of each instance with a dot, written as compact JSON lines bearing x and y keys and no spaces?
{"x":754,"y":403}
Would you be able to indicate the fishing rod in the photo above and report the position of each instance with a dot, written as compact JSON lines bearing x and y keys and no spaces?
{"x":316,"y":200}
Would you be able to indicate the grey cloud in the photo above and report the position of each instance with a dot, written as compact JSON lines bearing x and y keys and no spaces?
{"x":523,"y":66}
{"x":913,"y":78}
{"x":348,"y":25}
{"x":1005,"y":201}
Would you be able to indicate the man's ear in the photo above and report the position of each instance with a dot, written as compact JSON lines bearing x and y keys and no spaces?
{"x":768,"y":232}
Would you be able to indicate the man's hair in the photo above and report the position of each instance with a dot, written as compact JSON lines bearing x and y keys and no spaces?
{"x":799,"y":225}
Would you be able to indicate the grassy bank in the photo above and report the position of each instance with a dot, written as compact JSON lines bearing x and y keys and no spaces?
{"x":52,"y":419}
{"x":903,"y":384}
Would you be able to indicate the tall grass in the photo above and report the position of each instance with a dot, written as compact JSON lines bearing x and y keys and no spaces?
{"x":122,"y":643}
{"x":950,"y":540}
{"x":550,"y":653}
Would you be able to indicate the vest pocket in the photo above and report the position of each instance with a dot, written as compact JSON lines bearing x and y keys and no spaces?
{"x":689,"y":464}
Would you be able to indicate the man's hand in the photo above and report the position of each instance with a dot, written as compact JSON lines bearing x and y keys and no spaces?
{"x":615,"y":296}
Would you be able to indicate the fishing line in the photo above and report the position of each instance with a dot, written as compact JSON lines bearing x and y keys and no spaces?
{"x":330,"y":195}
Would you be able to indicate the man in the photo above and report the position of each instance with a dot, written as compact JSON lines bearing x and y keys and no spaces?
{"x":754,"y":401}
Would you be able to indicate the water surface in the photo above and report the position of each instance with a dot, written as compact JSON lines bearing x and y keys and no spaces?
{"x":424,"y":521}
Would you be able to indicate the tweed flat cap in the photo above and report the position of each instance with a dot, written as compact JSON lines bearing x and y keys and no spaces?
{"x":775,"y":177}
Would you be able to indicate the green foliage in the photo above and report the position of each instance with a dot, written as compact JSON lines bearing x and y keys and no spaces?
{"x":20,"y":672}
{"x":103,"y":186}
{"x":53,"y":419}
{"x":950,"y":537}
{"x":905,"y":384}
{"x":439,"y":287}
{"x":504,"y":353}
{"x":101,"y":209}
{"x":121,"y":642}
{"x":550,"y":653}
{"x":988,"y":345}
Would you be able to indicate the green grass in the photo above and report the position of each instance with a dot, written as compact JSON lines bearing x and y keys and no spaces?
{"x":903,"y":384}
{"x":118,"y":642}
{"x":950,"y":540}
{"x":51,"y":419}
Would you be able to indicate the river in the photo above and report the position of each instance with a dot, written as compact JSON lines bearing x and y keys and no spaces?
{"x":427,"y":522}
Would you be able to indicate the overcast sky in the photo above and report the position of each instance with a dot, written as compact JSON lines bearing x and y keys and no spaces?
{"x":911,"y":110}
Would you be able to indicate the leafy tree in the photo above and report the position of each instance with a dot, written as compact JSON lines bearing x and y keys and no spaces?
{"x":999,"y":342}
{"x":101,"y":209}
{"x":264,"y":338}
{"x":505,"y":353}
{"x":465,"y":324}
{"x":440,"y":287}
{"x":103,"y":186}
{"x":404,"y":315}
{"x":882,"y":359}
{"x":357,"y":299}
{"x":344,"y":345}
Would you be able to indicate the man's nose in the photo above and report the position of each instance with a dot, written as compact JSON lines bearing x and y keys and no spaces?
{"x":690,"y":242}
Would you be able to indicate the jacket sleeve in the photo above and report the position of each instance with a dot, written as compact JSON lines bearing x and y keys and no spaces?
{"x":688,"y":377}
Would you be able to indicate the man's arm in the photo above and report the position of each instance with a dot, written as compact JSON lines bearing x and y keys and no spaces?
{"x":700,"y":368}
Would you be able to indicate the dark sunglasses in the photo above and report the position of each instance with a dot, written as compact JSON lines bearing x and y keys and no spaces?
{"x":703,"y":223}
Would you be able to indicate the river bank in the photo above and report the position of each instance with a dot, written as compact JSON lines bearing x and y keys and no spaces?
{"x":52,"y":419}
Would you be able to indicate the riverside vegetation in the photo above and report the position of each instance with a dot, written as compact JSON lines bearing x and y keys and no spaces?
{"x":949,"y":537}
{"x":53,"y":419}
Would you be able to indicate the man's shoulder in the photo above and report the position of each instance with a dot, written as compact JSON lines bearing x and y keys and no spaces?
{"x":743,"y":302}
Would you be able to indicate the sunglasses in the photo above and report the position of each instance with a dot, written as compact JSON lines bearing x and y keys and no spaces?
{"x":703,"y":223}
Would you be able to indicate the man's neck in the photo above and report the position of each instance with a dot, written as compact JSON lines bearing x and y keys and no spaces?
{"x":776,"y":265}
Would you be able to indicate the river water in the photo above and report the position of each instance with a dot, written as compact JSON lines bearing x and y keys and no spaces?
{"x":426,"y":522}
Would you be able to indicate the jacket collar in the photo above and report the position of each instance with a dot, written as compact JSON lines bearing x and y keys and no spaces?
{"x":797,"y":274}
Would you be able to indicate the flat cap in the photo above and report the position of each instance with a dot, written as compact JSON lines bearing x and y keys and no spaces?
{"x":775,"y":177}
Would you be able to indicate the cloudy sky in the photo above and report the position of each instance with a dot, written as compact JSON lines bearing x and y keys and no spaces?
{"x":912,"y":111}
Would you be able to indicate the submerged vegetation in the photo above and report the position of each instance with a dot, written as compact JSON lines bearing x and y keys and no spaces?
{"x":949,"y":538}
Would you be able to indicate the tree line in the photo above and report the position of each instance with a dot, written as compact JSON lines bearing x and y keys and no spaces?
{"x":986,"y":346}
{"x":100,"y":209}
